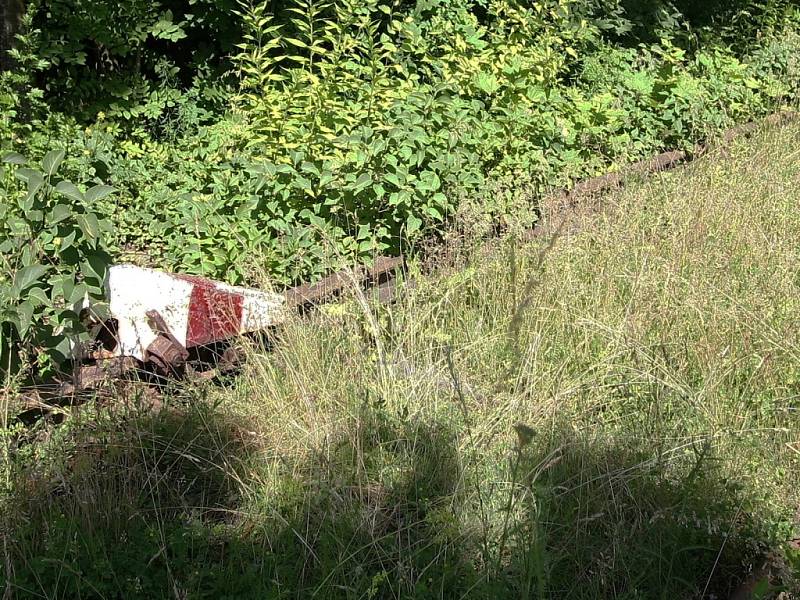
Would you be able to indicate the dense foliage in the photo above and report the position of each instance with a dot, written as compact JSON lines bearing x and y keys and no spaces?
{"x":53,"y":240}
{"x":291,"y":135}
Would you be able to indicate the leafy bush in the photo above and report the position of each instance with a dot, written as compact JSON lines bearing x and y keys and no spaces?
{"x":54,"y":261}
{"x":142,"y":62}
{"x":360,"y":126}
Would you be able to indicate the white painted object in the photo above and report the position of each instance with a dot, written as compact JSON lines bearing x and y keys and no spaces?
{"x":196,"y":310}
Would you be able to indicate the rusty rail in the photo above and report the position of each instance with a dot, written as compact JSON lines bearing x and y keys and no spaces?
{"x":307,"y":295}
{"x":167,"y":357}
{"x":671,"y":159}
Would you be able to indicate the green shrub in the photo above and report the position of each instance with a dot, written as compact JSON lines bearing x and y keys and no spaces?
{"x":54,"y":260}
{"x":144,"y":63}
{"x":360,"y":127}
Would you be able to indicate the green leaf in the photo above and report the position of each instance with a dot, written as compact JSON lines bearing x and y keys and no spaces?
{"x":487,"y":83}
{"x":77,"y":295}
{"x":761,"y":589}
{"x":38,"y":296}
{"x":68,"y":189}
{"x":301,"y":183}
{"x":433,"y":212}
{"x":68,"y":239}
{"x":14,"y":158}
{"x":295,"y":42}
{"x":96,"y":265}
{"x":363,"y":181}
{"x":413,"y":223}
{"x":51,"y":162}
{"x":25,"y":317}
{"x":309,"y":167}
{"x":61,"y":348}
{"x":101,"y":311}
{"x":63,"y":285}
{"x":429,"y":182}
{"x":98,"y":192}
{"x":393,"y":179}
{"x":27,"y":276}
{"x":89,"y":225}
{"x":31,"y":177}
{"x":59,"y":213}
{"x":440,"y":199}
{"x":34,"y":216}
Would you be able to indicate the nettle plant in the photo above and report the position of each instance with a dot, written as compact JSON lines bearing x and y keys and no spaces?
{"x":55,"y":262}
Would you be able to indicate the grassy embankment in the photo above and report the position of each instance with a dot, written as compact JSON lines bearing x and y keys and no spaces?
{"x":622,"y":420}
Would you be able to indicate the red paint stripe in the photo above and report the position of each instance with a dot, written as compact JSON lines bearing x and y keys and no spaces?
{"x":214,"y":314}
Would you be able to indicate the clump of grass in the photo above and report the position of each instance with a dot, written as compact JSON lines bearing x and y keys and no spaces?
{"x":616,"y":417}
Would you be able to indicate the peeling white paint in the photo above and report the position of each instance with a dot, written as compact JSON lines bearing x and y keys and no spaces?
{"x":132,"y":291}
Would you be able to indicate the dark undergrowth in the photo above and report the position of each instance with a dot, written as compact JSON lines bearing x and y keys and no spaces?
{"x":165,"y":505}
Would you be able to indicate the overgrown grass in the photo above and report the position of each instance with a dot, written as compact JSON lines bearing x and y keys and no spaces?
{"x":617,"y":416}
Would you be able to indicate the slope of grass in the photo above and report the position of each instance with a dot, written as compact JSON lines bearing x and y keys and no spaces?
{"x":615,"y":415}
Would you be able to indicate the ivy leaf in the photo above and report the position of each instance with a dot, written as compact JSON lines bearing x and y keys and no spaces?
{"x":51,"y":162}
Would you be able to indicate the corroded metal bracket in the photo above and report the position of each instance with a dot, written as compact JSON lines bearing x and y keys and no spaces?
{"x":165,"y":352}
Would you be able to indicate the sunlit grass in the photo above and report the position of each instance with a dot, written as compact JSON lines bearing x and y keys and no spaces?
{"x":616,"y":416}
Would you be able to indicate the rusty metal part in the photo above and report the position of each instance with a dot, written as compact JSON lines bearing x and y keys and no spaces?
{"x":90,"y":376}
{"x":305,"y":296}
{"x":166,"y":353}
{"x":229,"y":361}
{"x":86,"y":378}
{"x":610,"y":181}
{"x":673,"y":158}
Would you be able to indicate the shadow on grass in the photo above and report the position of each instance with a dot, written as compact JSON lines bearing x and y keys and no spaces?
{"x":734,"y":20}
{"x":618,"y":519}
{"x":167,"y":505}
